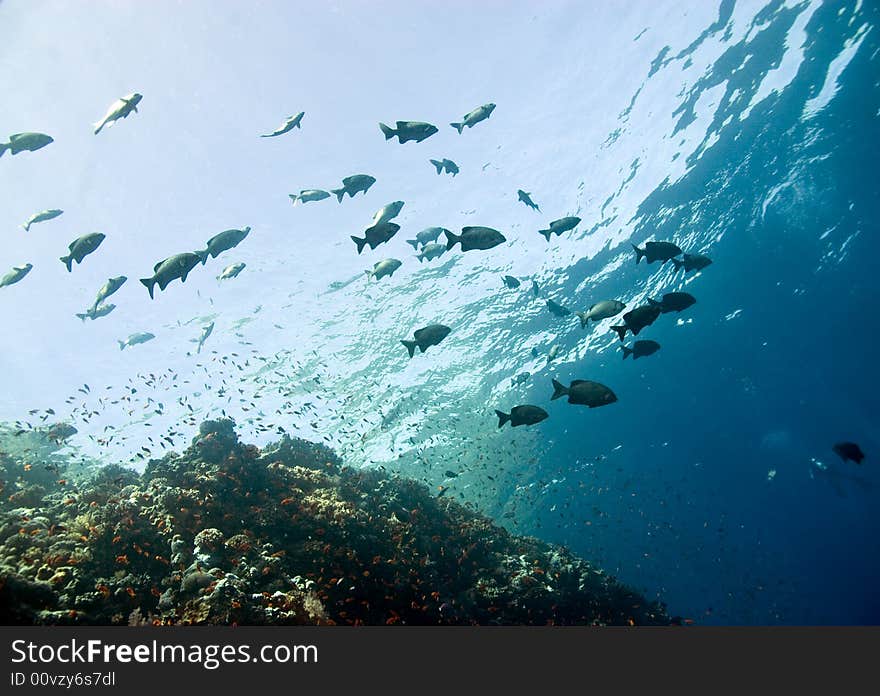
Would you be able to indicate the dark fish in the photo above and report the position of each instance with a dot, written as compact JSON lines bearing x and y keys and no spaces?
{"x":637,"y":319}
{"x":429,"y":336}
{"x":692,"y":262}
{"x":526,"y":198}
{"x":450,"y":474}
{"x":177,"y":266}
{"x":641,"y":349}
{"x":849,"y":451}
{"x":25,"y":141}
{"x":446,"y":165}
{"x":223,"y":242}
{"x":585,"y":393}
{"x":376,"y":235}
{"x":656,"y":251}
{"x":82,"y":247}
{"x":475,"y":238}
{"x":557,"y":309}
{"x":409,"y":130}
{"x":357,"y":183}
{"x":521,"y":415}
{"x":510,"y":282}
{"x":674,"y":302}
{"x":474,"y":117}
{"x":535,"y":289}
{"x":557,"y":227}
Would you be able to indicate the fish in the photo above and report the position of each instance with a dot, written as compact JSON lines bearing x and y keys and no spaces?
{"x":521,"y":415}
{"x":19,"y":142}
{"x":409,"y":130}
{"x":15,"y":275}
{"x":426,"y":236}
{"x":206,"y":331}
{"x":692,"y":262}
{"x":656,"y":251}
{"x":527,"y":199}
{"x":387,"y":212}
{"x":231,"y":271}
{"x":225,"y":240}
{"x":557,"y":309}
{"x":641,"y":349}
{"x":553,"y":352}
{"x":383,"y":268}
{"x":291,"y":123}
{"x":849,"y":451}
{"x":107,"y":289}
{"x":674,"y":302}
{"x":308,"y":195}
{"x":536,"y":290}
{"x":475,"y":238}
{"x":97,"y":311}
{"x":82,"y":247}
{"x":135,"y":339}
{"x":557,"y":227}
{"x":41,"y":217}
{"x":446,"y":165}
{"x":177,"y":266}
{"x":431,"y":251}
{"x":121,"y":108}
{"x":481,"y":113}
{"x":637,"y":319}
{"x":426,"y":337}
{"x":510,"y":282}
{"x":357,"y":183}
{"x":604,"y":309}
{"x":521,"y":378}
{"x":376,"y":235}
{"x":585,"y":393}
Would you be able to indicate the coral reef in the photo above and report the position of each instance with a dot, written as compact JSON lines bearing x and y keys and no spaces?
{"x":226,"y":533}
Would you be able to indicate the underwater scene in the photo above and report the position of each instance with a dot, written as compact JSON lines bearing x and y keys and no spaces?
{"x":408,"y":313}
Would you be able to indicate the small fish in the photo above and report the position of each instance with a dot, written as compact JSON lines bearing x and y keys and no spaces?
{"x":692,"y":262}
{"x":308,"y":195}
{"x":640,"y":349}
{"x":674,"y":302}
{"x":536,"y":291}
{"x":231,"y":271}
{"x":849,"y":451}
{"x":206,"y":331}
{"x":121,"y":108}
{"x":446,"y":165}
{"x":15,"y":275}
{"x":637,"y":319}
{"x":291,"y":123}
{"x":108,"y":288}
{"x":522,"y":415}
{"x":19,"y":142}
{"x":82,"y":247}
{"x":557,"y":309}
{"x":224,"y":241}
{"x":135,"y":339}
{"x":656,"y":251}
{"x":554,"y":351}
{"x":601,"y":310}
{"x":510,"y":282}
{"x":177,"y":266}
{"x":357,"y":183}
{"x":557,"y":227}
{"x":409,"y":130}
{"x":383,"y":268}
{"x":41,"y":217}
{"x":475,"y":238}
{"x":387,"y":212}
{"x":376,"y":235}
{"x":526,"y":198}
{"x":430,"y":252}
{"x":450,"y":474}
{"x":97,"y":311}
{"x":522,"y":378}
{"x":430,"y":335}
{"x":585,"y":393}
{"x":426,"y":236}
{"x":471,"y":119}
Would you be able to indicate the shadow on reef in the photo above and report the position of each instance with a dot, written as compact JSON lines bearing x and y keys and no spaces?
{"x":226,"y":533}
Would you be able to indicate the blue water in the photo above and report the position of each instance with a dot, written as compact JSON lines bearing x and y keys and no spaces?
{"x":745,"y":131}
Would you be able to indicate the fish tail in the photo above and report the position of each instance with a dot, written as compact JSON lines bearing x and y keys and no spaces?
{"x":3,"y":148}
{"x":27,"y":227}
{"x":83,"y":317}
{"x":584,"y":319}
{"x":203,"y":255}
{"x":98,"y":126}
{"x":68,"y":261}
{"x":149,"y":283}
{"x":121,"y":344}
{"x":621,"y":331}
{"x":545,"y":233}
{"x":451,"y":239}
{"x":639,"y":253}
{"x":458,"y":126}
{"x":340,"y":194}
{"x":414,"y":243}
{"x":389,"y":132}
{"x":626,"y":352}
{"x":410,"y":346}
{"x":293,"y":197}
{"x":360,"y":243}
{"x":678,"y":264}
{"x":558,"y":390}
{"x":502,"y":417}
{"x":438,"y":165}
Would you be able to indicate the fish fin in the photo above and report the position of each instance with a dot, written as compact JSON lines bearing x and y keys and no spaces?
{"x":389,"y":132}
{"x":451,"y":239}
{"x":203,"y":256}
{"x":584,"y":319}
{"x":414,"y":243}
{"x":121,"y":344}
{"x":458,"y":126}
{"x":545,"y":233}
{"x":639,"y":253}
{"x":148,"y":284}
{"x":360,"y":243}
{"x":678,"y":264}
{"x":410,"y":346}
{"x":182,"y":278}
{"x":502,"y":417}
{"x":68,"y":261}
{"x":558,"y":390}
{"x":626,"y":352}
{"x":340,"y":193}
{"x":621,"y":331}
{"x":438,"y":165}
